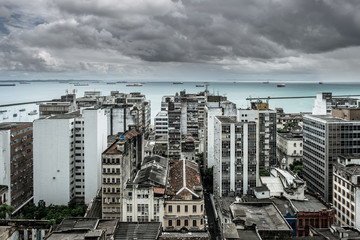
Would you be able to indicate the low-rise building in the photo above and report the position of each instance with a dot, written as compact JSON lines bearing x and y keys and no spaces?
{"x":262,"y":217}
{"x":184,"y":200}
{"x":282,"y":183}
{"x":143,"y":199}
{"x":346,"y":200}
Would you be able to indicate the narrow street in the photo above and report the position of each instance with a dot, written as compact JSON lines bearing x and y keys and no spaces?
{"x":212,"y":223}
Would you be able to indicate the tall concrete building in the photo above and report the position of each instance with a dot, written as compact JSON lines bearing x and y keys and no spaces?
{"x":67,"y":156}
{"x":119,"y":165}
{"x":325,"y":138}
{"x":16,"y":162}
{"x":266,"y":131}
{"x":235,"y":166}
{"x":216,"y":106}
{"x":161,"y":124}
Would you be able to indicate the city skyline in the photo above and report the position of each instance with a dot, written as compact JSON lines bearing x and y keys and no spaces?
{"x":171,"y":40}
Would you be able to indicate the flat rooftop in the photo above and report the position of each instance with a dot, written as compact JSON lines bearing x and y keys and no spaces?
{"x":227,"y":119}
{"x":327,"y":118}
{"x":264,"y":215}
{"x":10,"y":125}
{"x":312,"y":204}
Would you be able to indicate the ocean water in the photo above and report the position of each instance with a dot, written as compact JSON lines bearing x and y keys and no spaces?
{"x":235,"y":92}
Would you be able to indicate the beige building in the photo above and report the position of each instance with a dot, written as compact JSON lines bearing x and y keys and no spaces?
{"x":143,"y":199}
{"x":289,"y":148}
{"x":184,"y":200}
{"x":119,"y":163}
{"x":346,"y":191}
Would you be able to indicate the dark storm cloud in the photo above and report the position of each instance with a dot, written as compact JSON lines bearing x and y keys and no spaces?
{"x":193,"y":31}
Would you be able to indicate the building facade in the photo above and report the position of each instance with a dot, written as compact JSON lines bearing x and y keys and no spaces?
{"x":346,"y":196}
{"x":67,"y":156}
{"x":266,"y":131}
{"x":119,"y":165}
{"x":235,"y":168}
{"x":16,"y":163}
{"x":184,"y":199}
{"x":289,"y":148}
{"x":325,"y":138}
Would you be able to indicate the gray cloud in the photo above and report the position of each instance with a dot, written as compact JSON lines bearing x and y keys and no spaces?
{"x":66,"y":35}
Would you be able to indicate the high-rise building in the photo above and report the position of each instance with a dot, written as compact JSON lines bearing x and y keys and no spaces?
{"x":266,"y":131}
{"x":161,"y":124}
{"x":119,"y":165}
{"x":216,"y":106}
{"x":67,"y":156}
{"x":235,"y":152}
{"x":325,"y":138}
{"x":16,"y":162}
{"x":346,"y":197}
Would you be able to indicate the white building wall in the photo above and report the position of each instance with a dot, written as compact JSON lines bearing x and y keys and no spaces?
{"x":245,"y":158}
{"x":212,"y":112}
{"x":95,"y":142}
{"x":217,"y":146}
{"x":357,"y":207}
{"x":5,"y":160}
{"x":320,"y":105}
{"x":232,"y":158}
{"x":52,"y":160}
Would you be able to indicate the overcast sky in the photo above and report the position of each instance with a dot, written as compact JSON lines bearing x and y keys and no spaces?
{"x":314,"y":40}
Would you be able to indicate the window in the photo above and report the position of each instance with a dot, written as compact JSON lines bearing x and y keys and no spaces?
{"x":178,"y":222}
{"x":170,"y":223}
{"x":186,"y":222}
{"x":129,"y":207}
{"x":194,"y":223}
{"x":194,"y":208}
{"x":170,"y":209}
{"x":178,"y":208}
{"x":186,"y":208}
{"x":129,"y":218}
{"x":294,"y":144}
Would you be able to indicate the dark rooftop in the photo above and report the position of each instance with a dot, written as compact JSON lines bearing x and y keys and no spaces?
{"x":10,"y":125}
{"x":137,"y":230}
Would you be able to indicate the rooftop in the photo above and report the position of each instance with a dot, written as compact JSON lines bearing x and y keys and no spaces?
{"x":283,"y":205}
{"x":326,"y":232}
{"x":326,"y":118}
{"x":264,"y":215}
{"x":311,"y":204}
{"x":153,"y":171}
{"x":137,"y":230}
{"x":10,"y":125}
{"x":184,"y":179}
{"x":127,"y":135}
{"x":70,"y":115}
{"x":227,"y":119}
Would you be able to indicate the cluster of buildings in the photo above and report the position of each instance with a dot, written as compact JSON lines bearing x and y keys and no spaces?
{"x":275,"y":175}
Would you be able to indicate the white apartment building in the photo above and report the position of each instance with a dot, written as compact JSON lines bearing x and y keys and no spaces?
{"x":346,"y":191}
{"x":161,"y":124}
{"x":266,"y":131}
{"x":235,"y":168}
{"x":325,"y":102}
{"x":67,"y":156}
{"x":213,"y":109}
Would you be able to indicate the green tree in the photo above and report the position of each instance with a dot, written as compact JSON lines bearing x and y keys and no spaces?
{"x":263,"y":172}
{"x":6,"y":210}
